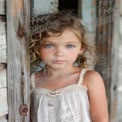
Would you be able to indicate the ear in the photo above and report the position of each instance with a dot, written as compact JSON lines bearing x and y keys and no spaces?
{"x":82,"y":51}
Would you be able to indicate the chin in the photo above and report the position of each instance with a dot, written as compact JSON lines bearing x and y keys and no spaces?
{"x":58,"y":66}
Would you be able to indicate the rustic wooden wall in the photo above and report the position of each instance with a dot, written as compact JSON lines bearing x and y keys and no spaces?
{"x":120,"y":68}
{"x":116,"y":113}
{"x":3,"y":93}
{"x":104,"y":43}
{"x":3,"y":65}
{"x":115,"y":65}
{"x":108,"y":46}
{"x":2,"y":7}
{"x":18,"y":66}
{"x":41,"y":7}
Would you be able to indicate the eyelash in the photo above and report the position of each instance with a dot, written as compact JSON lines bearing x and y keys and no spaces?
{"x":51,"y":45}
{"x":48,"y":45}
{"x":70,"y":46}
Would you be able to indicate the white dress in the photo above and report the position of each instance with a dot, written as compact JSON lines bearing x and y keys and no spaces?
{"x":68,"y":104}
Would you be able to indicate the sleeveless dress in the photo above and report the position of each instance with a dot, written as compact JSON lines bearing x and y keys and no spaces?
{"x":67,"y":104}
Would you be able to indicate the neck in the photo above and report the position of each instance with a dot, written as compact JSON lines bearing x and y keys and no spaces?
{"x":61,"y":72}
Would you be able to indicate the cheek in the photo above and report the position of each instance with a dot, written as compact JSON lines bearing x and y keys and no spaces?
{"x":72,"y":55}
{"x":44,"y":54}
{"x":74,"y":52}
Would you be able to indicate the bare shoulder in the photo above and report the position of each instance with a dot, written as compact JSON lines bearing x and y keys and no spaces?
{"x":92,"y":78}
{"x":97,"y":96}
{"x":91,"y":74}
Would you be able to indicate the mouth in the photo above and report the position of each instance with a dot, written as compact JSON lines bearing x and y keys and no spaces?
{"x":58,"y":61}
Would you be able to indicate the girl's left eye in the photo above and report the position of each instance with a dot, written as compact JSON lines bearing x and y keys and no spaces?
{"x":48,"y":45}
{"x":70,"y":46}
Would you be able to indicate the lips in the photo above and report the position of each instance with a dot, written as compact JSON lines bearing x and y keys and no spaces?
{"x":58,"y":61}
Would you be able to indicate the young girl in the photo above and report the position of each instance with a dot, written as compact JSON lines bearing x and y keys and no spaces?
{"x":65,"y":91}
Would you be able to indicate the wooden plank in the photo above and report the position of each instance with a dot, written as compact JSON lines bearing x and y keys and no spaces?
{"x":120,"y":28}
{"x":2,"y":7}
{"x":3,"y":102}
{"x":18,"y":65}
{"x":104,"y":43}
{"x":2,"y":41}
{"x":3,"y":78}
{"x":79,"y":8}
{"x":119,"y":106}
{"x":115,"y":66}
{"x":119,"y":98}
{"x":3,"y":120}
{"x":2,"y":66}
{"x":89,"y":14}
{"x":42,"y":7}
{"x":120,"y":6}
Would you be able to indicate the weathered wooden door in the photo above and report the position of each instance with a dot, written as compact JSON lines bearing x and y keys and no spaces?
{"x":3,"y":64}
{"x":18,"y":66}
{"x":107,"y":43}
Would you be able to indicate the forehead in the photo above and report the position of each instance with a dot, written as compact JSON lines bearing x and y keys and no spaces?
{"x":67,"y":35}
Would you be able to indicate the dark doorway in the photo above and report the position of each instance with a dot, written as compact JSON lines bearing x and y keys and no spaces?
{"x":69,"y":5}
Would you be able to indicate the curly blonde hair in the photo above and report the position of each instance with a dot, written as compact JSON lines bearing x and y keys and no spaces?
{"x":55,"y":24}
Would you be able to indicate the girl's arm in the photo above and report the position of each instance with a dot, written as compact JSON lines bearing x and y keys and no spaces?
{"x":97,"y":97}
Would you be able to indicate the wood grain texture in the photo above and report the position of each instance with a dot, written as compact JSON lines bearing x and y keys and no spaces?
{"x":120,"y":7}
{"x":115,"y":66}
{"x":2,"y":42}
{"x":42,"y":7}
{"x":3,"y":81}
{"x":2,"y":66}
{"x":18,"y":66}
{"x":3,"y":102}
{"x":119,"y":95}
{"x":104,"y":43}
{"x":3,"y":120}
{"x":2,"y":7}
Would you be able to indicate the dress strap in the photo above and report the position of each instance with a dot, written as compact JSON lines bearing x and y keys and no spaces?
{"x":83,"y":71}
{"x":32,"y":81}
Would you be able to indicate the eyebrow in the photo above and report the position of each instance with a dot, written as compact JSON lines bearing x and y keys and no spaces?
{"x":48,"y":42}
{"x":66,"y":42}
{"x":72,"y":42}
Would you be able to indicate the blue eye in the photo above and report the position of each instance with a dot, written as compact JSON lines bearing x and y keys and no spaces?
{"x":48,"y":46}
{"x":70,"y":46}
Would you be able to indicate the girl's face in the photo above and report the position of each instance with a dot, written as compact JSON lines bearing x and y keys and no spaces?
{"x":61,"y":51}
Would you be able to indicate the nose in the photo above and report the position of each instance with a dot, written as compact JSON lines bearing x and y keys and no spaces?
{"x":58,"y":52}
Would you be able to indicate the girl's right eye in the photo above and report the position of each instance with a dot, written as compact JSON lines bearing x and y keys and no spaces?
{"x":48,"y":46}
